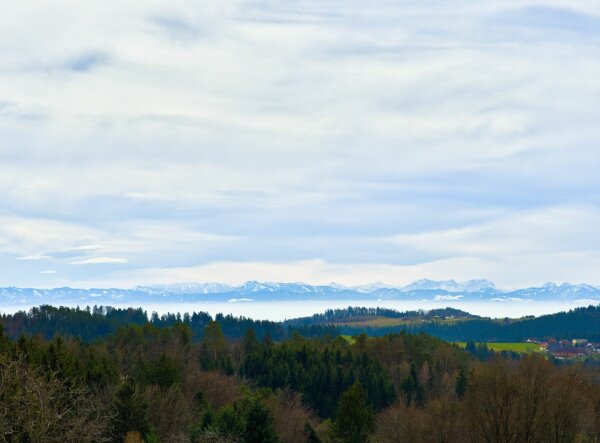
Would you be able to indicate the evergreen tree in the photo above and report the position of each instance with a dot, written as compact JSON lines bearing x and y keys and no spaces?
{"x":229,"y":422}
{"x":131,"y":412}
{"x":259,"y":426}
{"x":213,"y":346}
{"x":228,"y":366}
{"x":162,"y":372}
{"x":268,"y":340}
{"x":414,"y":392}
{"x":461,"y":383}
{"x":355,"y":420}
{"x":250,"y":341}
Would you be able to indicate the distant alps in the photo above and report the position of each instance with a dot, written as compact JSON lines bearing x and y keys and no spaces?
{"x":425,"y":290}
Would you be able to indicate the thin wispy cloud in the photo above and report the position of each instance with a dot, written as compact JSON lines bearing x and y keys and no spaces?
{"x":380,"y":141}
{"x":34,"y":257}
{"x":99,"y":261}
{"x":87,"y":248}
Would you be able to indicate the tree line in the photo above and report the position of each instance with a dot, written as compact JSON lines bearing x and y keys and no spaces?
{"x":357,"y":313}
{"x":91,"y":324}
{"x":577,"y":323}
{"x":95,"y":323}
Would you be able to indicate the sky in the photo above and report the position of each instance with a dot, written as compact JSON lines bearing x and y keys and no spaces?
{"x":148,"y":142}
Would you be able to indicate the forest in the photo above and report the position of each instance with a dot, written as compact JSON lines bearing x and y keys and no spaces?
{"x":455,"y":325}
{"x":124,"y":377}
{"x":448,"y":324}
{"x":91,"y":324}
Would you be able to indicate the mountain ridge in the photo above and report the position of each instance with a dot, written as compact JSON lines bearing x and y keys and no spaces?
{"x":253,"y":290}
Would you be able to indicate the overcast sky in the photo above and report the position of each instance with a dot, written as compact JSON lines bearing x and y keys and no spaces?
{"x":309,"y":140}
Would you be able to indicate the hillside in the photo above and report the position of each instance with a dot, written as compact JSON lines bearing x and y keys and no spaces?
{"x":454,"y":325}
{"x":447,"y":324}
{"x":380,"y":317}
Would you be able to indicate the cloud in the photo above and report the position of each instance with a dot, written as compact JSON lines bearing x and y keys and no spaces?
{"x":99,"y":261}
{"x":87,"y":248}
{"x":549,"y":19}
{"x":508,"y":272}
{"x":34,"y":257}
{"x":546,"y":230}
{"x":389,"y":139}
{"x":48,"y":271}
{"x":24,"y":236}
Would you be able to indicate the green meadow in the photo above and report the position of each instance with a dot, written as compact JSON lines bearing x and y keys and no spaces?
{"x":521,"y":347}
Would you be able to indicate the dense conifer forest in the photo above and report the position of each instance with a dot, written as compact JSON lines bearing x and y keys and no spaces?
{"x":95,"y":323}
{"x":107,"y":375}
{"x":455,"y":325}
{"x":447,"y":324}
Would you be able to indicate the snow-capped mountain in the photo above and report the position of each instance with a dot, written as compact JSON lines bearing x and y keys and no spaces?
{"x":266,"y":290}
{"x":447,"y":290}
{"x":14,"y":295}
{"x":450,"y":286}
{"x":187,"y":288}
{"x":551,"y":291}
{"x":373,"y":287}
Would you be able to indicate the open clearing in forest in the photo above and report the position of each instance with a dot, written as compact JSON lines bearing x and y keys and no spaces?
{"x":521,"y":347}
{"x":382,"y":322}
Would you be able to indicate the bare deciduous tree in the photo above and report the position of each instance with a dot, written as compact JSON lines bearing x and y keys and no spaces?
{"x":39,"y":408}
{"x":290,"y":416}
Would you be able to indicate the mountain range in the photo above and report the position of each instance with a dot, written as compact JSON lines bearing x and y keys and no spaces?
{"x":425,"y":290}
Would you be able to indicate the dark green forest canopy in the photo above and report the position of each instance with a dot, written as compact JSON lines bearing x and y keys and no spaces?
{"x":577,"y":323}
{"x":98,"y":322}
{"x":160,"y":382}
{"x":448,"y":324}
{"x":146,"y":360}
{"x":334,"y":315}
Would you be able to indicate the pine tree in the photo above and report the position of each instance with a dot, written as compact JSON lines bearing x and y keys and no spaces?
{"x":250,"y":341}
{"x":355,"y":420}
{"x":213,"y":346}
{"x":131,"y":411}
{"x":413,"y":391}
{"x":461,"y":383}
{"x":259,"y":426}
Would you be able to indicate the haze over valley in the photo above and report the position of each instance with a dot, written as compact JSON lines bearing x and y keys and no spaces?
{"x":277,"y":301}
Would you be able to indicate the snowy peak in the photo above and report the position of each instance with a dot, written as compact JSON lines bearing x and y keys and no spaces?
{"x":335,"y":285}
{"x":450,"y":285}
{"x":187,"y":288}
{"x":431,"y":290}
{"x":254,"y":286}
{"x":372,"y":287}
{"x":564,"y":291}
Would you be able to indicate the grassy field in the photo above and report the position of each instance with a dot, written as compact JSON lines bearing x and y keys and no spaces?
{"x":349,"y":339}
{"x":524,"y":348}
{"x":375,"y":322}
{"x":381,"y":322}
